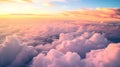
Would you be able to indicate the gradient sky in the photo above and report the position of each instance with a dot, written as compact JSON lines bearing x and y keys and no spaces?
{"x":50,"y":6}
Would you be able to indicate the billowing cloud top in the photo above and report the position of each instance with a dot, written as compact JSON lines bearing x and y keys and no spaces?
{"x":34,"y":43}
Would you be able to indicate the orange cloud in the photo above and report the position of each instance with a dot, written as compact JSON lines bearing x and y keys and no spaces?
{"x":22,"y":1}
{"x":5,"y":0}
{"x":28,"y":0}
{"x":98,"y":14}
{"x":15,"y":0}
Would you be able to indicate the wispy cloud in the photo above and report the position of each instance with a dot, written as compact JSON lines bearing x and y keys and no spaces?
{"x":5,"y":0}
{"x":13,"y":1}
{"x":48,"y":3}
{"x":26,"y":0}
{"x":92,"y":14}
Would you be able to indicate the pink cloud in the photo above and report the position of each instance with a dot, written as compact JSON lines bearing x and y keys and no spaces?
{"x":97,"y":13}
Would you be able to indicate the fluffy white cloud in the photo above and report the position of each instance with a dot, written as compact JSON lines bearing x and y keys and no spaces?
{"x":83,"y":43}
{"x":55,"y":58}
{"x":58,"y":45}
{"x":101,"y":57}
{"x":108,"y":57}
{"x":79,"y":41}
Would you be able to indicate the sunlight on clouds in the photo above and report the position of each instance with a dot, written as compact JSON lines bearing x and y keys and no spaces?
{"x":49,"y":0}
{"x":34,"y":1}
{"x":15,"y":0}
{"x":29,"y":1}
{"x":48,"y":4}
{"x":5,"y":0}
{"x":51,"y":7}
{"x":28,"y":6}
{"x":11,"y":8}
{"x":98,"y":14}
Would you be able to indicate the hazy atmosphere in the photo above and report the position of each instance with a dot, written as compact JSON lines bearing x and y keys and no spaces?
{"x":59,"y":33}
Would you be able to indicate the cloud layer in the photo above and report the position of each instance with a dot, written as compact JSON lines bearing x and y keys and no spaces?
{"x":59,"y":44}
{"x":95,"y":58}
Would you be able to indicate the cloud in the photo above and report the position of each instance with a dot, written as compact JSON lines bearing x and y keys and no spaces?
{"x":95,"y":58}
{"x":29,"y":1}
{"x":104,"y":57}
{"x":23,"y":58}
{"x":15,"y":0}
{"x":5,"y":0}
{"x":49,"y":4}
{"x":40,"y":3}
{"x":58,"y":44}
{"x":78,"y":41}
{"x":55,"y":58}
{"x":8,"y":51}
{"x":94,"y":14}
{"x":100,"y":12}
{"x":12,"y":53}
{"x":111,"y":12}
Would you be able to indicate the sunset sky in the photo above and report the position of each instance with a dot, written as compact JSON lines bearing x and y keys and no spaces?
{"x":90,"y":10}
{"x":50,"y":6}
{"x":59,"y":33}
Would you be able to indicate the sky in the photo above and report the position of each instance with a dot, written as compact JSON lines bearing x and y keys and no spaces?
{"x":88,"y":10}
{"x":52,"y":6}
{"x":59,"y":33}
